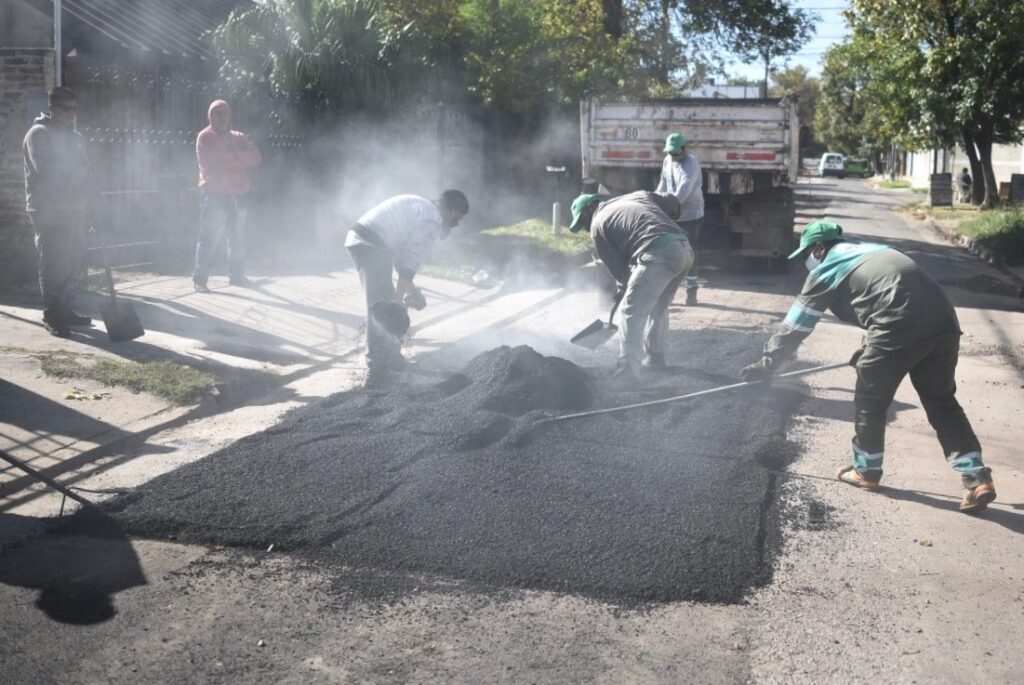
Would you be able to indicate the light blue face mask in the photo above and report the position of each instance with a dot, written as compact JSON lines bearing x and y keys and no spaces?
{"x":812,"y":262}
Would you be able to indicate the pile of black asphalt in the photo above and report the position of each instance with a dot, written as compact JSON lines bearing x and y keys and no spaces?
{"x":453,"y":479}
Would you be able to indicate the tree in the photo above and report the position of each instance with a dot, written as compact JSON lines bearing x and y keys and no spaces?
{"x":797,"y":82}
{"x":959,"y":74}
{"x":342,"y":53}
{"x":857,"y":106}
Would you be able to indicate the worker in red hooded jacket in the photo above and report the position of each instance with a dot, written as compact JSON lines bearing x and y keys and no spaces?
{"x":225,"y":157}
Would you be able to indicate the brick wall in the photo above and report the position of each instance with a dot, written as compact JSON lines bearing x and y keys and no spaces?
{"x":25,"y":76}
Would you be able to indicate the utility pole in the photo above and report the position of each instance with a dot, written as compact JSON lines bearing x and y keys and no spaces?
{"x":58,"y":59}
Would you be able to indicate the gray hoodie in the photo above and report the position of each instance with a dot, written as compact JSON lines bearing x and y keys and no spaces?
{"x":57,"y":176}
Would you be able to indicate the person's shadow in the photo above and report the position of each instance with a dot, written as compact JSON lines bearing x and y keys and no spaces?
{"x":996,"y":513}
{"x":77,"y":567}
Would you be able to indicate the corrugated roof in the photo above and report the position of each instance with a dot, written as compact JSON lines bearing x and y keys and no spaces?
{"x":167,"y":26}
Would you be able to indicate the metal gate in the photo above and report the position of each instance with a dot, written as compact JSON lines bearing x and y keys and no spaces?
{"x":141,"y":128}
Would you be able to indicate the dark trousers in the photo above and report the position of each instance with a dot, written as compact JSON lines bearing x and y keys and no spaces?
{"x":692,"y":229}
{"x":374,"y":265}
{"x":932,"y":368}
{"x":220,"y":216}
{"x":60,"y":240}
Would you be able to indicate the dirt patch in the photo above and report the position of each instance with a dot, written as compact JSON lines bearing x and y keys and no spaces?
{"x":651,"y":506}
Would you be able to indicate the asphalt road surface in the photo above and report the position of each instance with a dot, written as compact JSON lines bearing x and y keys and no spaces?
{"x":893,"y":586}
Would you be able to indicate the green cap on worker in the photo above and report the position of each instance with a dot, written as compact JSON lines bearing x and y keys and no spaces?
{"x":578,"y":205}
{"x":674,"y":142}
{"x":818,"y":232}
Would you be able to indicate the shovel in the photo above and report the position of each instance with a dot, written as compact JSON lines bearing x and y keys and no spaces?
{"x":598,"y":332}
{"x":120,"y":319}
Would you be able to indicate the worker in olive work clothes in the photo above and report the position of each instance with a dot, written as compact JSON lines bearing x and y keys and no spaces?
{"x":912,"y":329}
{"x":649,"y":256}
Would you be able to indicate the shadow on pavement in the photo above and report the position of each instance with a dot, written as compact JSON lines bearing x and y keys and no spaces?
{"x":996,"y":514}
{"x":77,"y":569}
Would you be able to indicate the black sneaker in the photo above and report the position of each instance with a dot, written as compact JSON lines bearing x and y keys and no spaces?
{"x":57,"y":329}
{"x":200,"y":287}
{"x":240,"y":282}
{"x":75,"y":319}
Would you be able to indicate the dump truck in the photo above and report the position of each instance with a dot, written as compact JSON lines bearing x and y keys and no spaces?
{"x":748,"y":151}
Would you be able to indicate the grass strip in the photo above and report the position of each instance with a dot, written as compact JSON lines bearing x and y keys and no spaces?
{"x":538,"y":234}
{"x":176,"y":383}
{"x":1000,"y":230}
{"x":892,"y":185}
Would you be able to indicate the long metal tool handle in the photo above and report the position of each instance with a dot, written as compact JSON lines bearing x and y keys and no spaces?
{"x":46,"y":480}
{"x":615,"y":307}
{"x":701,"y":393}
{"x":106,"y":267}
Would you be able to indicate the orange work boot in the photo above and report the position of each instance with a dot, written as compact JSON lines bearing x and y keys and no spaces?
{"x":978,"y":497}
{"x":850,"y":476}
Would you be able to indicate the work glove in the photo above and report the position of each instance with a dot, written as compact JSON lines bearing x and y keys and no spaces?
{"x":856,"y":357}
{"x":758,"y":371}
{"x":414,"y":299}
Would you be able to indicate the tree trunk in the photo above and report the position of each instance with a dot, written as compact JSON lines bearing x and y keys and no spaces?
{"x":665,"y":37}
{"x":977,"y":176}
{"x":613,"y":18}
{"x":984,"y":144}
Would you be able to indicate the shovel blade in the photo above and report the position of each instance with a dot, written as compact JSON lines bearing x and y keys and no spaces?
{"x":595,"y":335}
{"x":121,"y":321}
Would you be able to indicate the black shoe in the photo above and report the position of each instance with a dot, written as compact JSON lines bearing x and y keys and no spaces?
{"x":241,"y":282}
{"x":57,"y":329}
{"x":75,"y":319}
{"x":655,"y":360}
{"x":691,"y":296}
{"x":200,"y":287}
{"x":378,"y":377}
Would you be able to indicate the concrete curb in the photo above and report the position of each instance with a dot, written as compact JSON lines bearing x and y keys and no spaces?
{"x":986,"y":254}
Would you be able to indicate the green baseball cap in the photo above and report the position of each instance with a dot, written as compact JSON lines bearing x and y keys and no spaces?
{"x":675,"y":142}
{"x":578,"y":205}
{"x":818,"y":232}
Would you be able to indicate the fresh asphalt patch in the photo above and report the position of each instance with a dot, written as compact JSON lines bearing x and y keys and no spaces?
{"x":658,"y":505}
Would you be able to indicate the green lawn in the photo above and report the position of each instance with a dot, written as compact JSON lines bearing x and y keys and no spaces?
{"x":537,"y":234}
{"x":528,"y":247}
{"x":891,"y":185}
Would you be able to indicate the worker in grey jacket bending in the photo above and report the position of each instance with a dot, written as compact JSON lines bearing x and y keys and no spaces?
{"x":396,"y":235}
{"x":649,"y":256}
{"x":681,"y":177}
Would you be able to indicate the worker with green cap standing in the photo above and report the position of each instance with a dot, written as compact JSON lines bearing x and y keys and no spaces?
{"x":649,"y":256}
{"x":682,"y":178}
{"x":912,"y":329}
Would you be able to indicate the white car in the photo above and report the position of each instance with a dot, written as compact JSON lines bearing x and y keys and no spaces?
{"x":832,"y":163}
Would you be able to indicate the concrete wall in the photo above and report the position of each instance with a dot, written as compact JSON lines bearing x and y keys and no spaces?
{"x":26,"y":74}
{"x":1006,"y":160}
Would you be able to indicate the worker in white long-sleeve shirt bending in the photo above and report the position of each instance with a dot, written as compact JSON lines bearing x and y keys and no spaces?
{"x":681,"y":177}
{"x":396,"y":235}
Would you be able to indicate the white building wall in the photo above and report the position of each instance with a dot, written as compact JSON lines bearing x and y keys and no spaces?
{"x":1006,"y":161}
